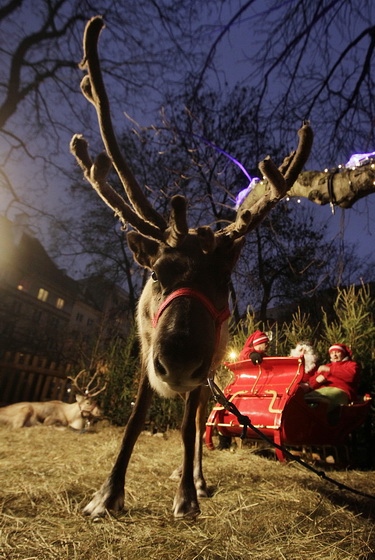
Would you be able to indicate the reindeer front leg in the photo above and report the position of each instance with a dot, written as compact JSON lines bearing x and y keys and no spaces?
{"x":186,"y":501}
{"x":111,"y":495}
{"x":200,"y":426}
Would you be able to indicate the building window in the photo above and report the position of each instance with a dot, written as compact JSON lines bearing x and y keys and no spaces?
{"x":42,"y":294}
{"x":90,"y":322}
{"x":60,"y":303}
{"x":51,"y":343}
{"x":79,"y":317}
{"x":37,"y":315}
{"x":53,"y":322}
{"x":16,"y":306}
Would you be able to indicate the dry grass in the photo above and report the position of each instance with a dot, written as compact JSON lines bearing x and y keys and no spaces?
{"x":260,"y":509}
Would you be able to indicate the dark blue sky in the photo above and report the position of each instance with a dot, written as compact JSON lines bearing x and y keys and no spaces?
{"x":234,"y":65}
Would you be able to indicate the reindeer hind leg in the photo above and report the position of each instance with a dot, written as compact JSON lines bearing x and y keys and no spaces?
{"x":24,"y":417}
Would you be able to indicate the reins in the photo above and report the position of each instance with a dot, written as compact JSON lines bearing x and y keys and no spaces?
{"x":218,"y":316}
{"x":246,"y":423}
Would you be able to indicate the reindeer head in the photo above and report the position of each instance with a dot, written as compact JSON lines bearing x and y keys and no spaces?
{"x":86,"y":388}
{"x":183,"y":309}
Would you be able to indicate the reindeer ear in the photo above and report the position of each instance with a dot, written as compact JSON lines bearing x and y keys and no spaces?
{"x":145,"y":250}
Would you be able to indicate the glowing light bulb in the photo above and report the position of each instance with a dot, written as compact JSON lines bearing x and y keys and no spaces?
{"x":357,"y":160}
{"x":243,"y":194}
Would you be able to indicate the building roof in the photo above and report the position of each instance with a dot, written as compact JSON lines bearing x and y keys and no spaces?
{"x":22,"y":251}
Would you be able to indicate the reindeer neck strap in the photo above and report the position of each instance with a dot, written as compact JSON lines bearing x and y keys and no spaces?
{"x":218,"y":316}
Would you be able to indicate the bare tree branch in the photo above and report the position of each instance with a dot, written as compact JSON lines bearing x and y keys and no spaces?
{"x":349,"y":186}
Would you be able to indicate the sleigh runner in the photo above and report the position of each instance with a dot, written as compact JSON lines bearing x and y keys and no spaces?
{"x":271,"y":396}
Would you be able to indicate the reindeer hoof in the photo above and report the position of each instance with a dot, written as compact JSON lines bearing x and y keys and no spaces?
{"x":103,"y":501}
{"x":202,"y":491}
{"x":185,"y":506}
{"x":186,"y":510}
{"x":94,"y":509}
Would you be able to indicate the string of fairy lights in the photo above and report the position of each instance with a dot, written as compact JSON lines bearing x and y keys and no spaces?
{"x":355,"y":161}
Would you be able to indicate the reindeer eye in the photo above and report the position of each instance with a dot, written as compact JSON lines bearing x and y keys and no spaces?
{"x":154,"y":276}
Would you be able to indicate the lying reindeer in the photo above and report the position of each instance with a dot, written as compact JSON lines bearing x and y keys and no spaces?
{"x":183,"y":311}
{"x":49,"y":413}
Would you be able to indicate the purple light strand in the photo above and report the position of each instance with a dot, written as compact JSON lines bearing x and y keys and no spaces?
{"x":252,"y":180}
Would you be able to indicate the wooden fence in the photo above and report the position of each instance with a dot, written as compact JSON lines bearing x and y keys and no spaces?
{"x":24,"y":377}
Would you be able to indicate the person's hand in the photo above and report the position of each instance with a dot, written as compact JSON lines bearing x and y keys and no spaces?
{"x":305,"y":387}
{"x":256,"y":358}
{"x":322,"y":369}
{"x":320,"y":379}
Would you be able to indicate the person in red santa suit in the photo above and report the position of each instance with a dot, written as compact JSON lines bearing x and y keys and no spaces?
{"x":336,"y":382}
{"x":255,"y":347}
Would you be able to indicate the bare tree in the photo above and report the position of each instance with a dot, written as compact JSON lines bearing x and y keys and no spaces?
{"x":288,"y":258}
{"x":164,"y":53}
{"x":199,"y":154}
{"x":342,"y":186}
{"x":38,"y":99}
{"x":308,"y":60}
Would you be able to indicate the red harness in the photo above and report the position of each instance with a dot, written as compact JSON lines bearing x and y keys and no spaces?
{"x":218,"y":316}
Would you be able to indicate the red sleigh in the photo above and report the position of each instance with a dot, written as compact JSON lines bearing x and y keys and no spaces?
{"x":271,"y":396}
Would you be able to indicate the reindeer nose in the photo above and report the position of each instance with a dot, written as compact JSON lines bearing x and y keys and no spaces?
{"x":182,"y":356}
{"x":180,"y":375}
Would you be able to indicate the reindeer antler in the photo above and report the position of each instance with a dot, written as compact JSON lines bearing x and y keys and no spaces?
{"x":279,"y":182}
{"x":140,"y":214}
{"x":96,"y":174}
{"x":87,"y":390}
{"x":93,"y":88}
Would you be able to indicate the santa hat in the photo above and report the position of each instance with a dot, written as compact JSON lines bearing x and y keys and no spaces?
{"x":257,"y":338}
{"x":341,"y":348}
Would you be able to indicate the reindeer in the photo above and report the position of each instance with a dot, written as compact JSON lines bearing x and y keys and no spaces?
{"x":183,"y":311}
{"x":49,"y":413}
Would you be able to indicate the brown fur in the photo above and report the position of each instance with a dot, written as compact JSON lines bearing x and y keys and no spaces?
{"x":183,"y":349}
{"x":179,"y":353}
